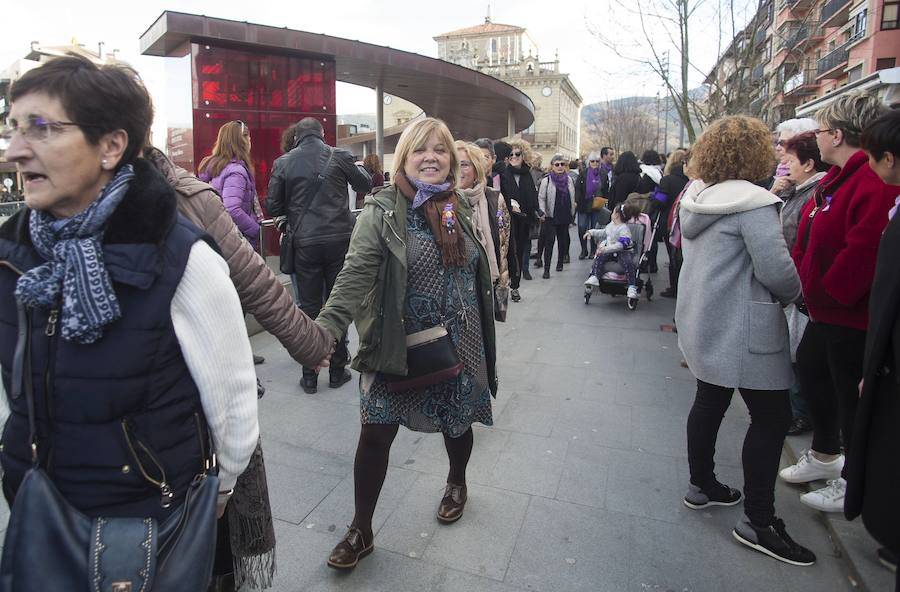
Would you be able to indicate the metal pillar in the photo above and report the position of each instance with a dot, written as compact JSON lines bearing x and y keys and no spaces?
{"x":510,"y":123}
{"x":379,"y":121}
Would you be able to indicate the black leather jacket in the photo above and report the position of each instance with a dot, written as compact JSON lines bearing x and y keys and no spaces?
{"x":327,"y":219}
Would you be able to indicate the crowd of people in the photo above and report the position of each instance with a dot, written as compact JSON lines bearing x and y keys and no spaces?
{"x":130,"y":404}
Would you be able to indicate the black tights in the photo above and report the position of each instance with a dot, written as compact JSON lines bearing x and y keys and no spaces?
{"x":370,"y":467}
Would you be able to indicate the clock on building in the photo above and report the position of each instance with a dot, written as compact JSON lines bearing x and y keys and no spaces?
{"x":388,"y":99}
{"x":546,"y":91}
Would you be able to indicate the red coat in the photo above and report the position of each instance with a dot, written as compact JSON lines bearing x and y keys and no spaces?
{"x":837,"y":242}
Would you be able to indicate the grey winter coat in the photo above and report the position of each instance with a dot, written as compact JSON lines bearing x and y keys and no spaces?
{"x":736,"y":278}
{"x":794,"y":199}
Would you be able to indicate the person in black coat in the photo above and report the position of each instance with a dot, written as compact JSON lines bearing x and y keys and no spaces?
{"x":517,"y":183}
{"x":872,"y":478}
{"x":670,"y":187}
{"x":626,"y":177}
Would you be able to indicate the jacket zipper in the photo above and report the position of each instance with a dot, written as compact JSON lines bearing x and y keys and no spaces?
{"x":50,"y":331}
{"x":391,"y":226}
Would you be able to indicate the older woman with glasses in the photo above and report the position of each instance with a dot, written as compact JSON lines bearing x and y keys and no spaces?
{"x":590,"y":184}
{"x":556,"y":199}
{"x":138,"y":336}
{"x":835,"y":253}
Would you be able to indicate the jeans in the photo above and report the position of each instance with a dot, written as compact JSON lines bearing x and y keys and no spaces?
{"x":770,"y":418}
{"x":316,"y":268}
{"x":586,"y":221}
{"x":829,"y":367}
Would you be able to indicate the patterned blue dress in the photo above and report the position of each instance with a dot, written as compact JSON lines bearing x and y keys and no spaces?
{"x":453,"y":406}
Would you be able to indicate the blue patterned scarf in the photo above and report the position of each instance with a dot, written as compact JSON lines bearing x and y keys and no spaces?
{"x":75,"y":272}
{"x":425,"y":191}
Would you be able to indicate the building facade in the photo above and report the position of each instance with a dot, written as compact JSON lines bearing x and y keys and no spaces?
{"x":509,"y":53}
{"x":795,"y":56}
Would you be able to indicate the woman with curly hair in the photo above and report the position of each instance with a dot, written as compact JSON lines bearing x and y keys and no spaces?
{"x":737,"y":276}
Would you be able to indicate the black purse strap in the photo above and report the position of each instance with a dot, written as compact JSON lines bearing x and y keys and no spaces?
{"x":313,"y":192}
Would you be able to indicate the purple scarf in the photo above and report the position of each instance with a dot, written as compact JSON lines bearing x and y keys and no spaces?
{"x":425,"y":191}
{"x":561,"y":180}
{"x":593,"y":181}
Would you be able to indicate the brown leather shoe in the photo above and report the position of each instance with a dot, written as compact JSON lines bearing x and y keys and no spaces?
{"x":452,"y":504}
{"x":350,"y":550}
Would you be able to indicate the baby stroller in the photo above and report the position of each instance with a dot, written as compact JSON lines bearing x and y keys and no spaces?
{"x":612,"y":277}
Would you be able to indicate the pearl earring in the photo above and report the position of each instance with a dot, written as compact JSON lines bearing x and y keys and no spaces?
{"x":103,"y":162}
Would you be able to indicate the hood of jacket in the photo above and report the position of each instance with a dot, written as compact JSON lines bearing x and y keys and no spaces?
{"x":702,"y":204}
{"x":652,"y":171}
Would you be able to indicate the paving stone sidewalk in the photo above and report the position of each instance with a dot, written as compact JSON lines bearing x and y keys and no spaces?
{"x":577,"y":487}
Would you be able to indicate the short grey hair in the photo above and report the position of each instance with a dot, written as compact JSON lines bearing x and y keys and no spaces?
{"x":595,"y":155}
{"x":797,"y":126}
{"x":559,"y":157}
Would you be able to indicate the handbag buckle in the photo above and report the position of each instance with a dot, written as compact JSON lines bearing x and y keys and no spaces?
{"x":168,"y":496}
{"x":121,"y":587}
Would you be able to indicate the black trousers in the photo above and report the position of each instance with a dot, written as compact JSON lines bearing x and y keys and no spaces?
{"x":316,"y":267}
{"x":770,"y":417}
{"x":559,"y":233}
{"x":521,"y":231}
{"x":829,"y":368}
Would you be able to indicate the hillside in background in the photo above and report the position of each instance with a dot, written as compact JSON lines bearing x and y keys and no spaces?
{"x":633,"y":123}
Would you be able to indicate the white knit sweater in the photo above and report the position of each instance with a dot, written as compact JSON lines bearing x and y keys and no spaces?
{"x":209,"y":325}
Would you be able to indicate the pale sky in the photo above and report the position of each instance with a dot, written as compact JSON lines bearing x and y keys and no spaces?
{"x":404,"y":24}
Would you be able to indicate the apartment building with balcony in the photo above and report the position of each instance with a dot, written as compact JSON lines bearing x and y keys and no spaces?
{"x":816,"y":49}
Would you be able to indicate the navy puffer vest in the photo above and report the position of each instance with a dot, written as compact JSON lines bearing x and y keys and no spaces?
{"x":135,"y":373}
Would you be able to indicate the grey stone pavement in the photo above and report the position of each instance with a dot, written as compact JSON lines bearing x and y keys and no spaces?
{"x":577,"y":486}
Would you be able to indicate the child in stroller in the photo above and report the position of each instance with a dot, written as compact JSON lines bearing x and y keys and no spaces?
{"x":616,"y":239}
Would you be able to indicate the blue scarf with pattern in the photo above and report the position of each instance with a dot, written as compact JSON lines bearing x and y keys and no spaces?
{"x":75,"y":273}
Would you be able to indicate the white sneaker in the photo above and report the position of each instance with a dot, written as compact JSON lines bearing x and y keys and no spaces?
{"x":808,"y":468}
{"x":632,"y":292}
{"x":828,"y":499}
{"x":592,"y":281}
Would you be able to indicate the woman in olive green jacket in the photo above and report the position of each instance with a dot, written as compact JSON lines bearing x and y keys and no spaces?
{"x":414,"y":263}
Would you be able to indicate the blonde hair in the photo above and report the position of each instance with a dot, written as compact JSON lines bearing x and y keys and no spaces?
{"x":851,"y":113}
{"x":731,"y":148}
{"x":676,"y":158}
{"x":524,"y":147}
{"x":230,"y":145}
{"x":415,"y":136}
{"x":476,"y":157}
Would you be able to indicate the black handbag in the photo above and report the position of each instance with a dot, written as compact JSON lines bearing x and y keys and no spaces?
{"x":286,"y":245}
{"x":286,"y":250}
{"x":52,"y":546}
{"x":430,"y":359}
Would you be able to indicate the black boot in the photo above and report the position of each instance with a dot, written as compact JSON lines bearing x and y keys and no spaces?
{"x":337,"y":377}
{"x":309,"y":382}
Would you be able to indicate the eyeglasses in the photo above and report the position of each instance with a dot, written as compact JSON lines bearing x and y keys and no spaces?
{"x":559,"y":164}
{"x":780,"y":142}
{"x":590,"y":161}
{"x":822,"y":131}
{"x":515,"y":154}
{"x":37,"y":129}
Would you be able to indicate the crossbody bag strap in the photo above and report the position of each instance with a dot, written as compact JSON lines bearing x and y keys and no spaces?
{"x":314,"y":189}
